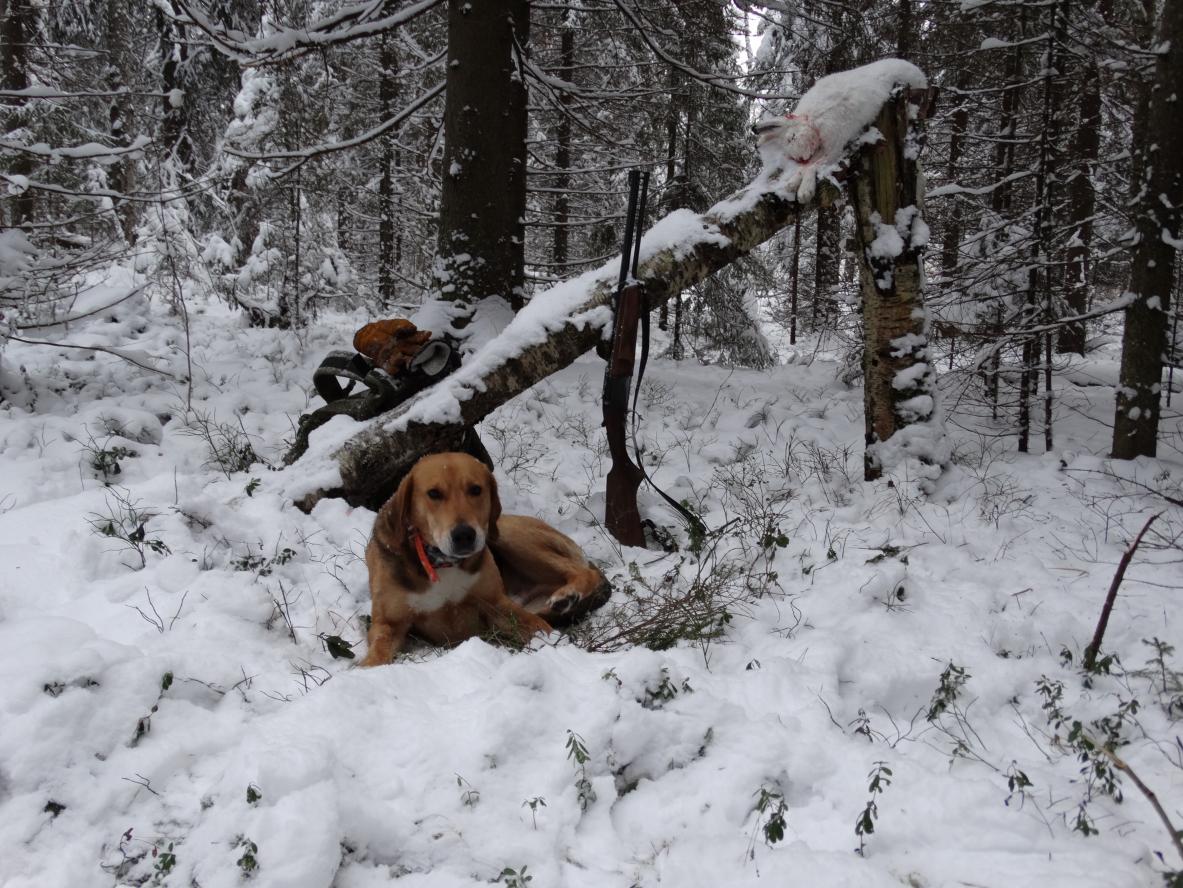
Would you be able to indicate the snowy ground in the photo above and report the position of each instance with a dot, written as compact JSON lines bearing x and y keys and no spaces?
{"x":174,"y":690}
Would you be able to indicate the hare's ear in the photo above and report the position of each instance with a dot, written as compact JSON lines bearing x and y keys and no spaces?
{"x":396,"y":517}
{"x":494,"y":508}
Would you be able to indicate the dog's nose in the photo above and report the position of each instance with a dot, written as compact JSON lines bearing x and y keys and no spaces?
{"x":463,"y":537}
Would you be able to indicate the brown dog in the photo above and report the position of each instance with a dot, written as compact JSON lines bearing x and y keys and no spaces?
{"x":444,"y":562}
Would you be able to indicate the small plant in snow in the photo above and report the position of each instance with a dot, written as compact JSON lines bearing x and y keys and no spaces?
{"x":261,"y":564}
{"x":577,"y":751}
{"x":249,"y":861}
{"x":1094,"y":746}
{"x":337,"y":647}
{"x":230,"y":447}
{"x":144,"y":723}
{"x":770,"y":819}
{"x":861,"y":724}
{"x":865,"y":824}
{"x":1166,"y":682}
{"x":512,"y":878}
{"x":253,"y":794}
{"x":106,"y":460}
{"x":164,"y":861}
{"x":534,"y":804}
{"x":953,"y":679}
{"x":125,"y":521}
{"x":469,"y":794}
{"x":1018,"y":783}
{"x":665,"y":691}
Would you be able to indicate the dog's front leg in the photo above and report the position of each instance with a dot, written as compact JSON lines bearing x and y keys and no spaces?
{"x":385,"y":640}
{"x":507,"y":617}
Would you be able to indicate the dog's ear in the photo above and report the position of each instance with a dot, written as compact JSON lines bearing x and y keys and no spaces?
{"x":397,"y":515}
{"x":494,"y":508}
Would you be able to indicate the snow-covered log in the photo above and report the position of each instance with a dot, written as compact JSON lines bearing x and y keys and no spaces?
{"x":560,"y":324}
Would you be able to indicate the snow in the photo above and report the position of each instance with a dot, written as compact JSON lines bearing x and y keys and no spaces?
{"x":910,"y":376}
{"x":422,"y":771}
{"x":93,"y":151}
{"x":888,"y":244}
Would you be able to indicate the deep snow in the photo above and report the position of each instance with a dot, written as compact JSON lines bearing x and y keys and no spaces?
{"x":424,"y":770}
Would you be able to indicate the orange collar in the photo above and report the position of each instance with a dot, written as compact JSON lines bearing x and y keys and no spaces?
{"x":424,"y":559}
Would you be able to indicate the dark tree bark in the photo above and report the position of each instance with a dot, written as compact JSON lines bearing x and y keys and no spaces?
{"x":904,"y":37}
{"x":795,"y":281}
{"x":175,"y":106}
{"x":562,"y":181}
{"x":827,"y":262}
{"x":517,"y":129}
{"x":1082,"y":199}
{"x":1158,"y":208}
{"x":387,"y":217}
{"x":1082,"y":204}
{"x":951,"y":240}
{"x":17,"y":21}
{"x":121,"y":176}
{"x":482,"y":235}
{"x":672,"y":124}
{"x":1039,"y":288}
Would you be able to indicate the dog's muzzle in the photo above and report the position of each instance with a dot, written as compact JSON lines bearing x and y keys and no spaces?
{"x":464,"y":540}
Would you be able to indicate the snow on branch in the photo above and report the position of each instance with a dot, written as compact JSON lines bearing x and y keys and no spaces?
{"x":719,"y":81}
{"x":353,"y":21}
{"x":303,"y":155}
{"x":92,"y":151}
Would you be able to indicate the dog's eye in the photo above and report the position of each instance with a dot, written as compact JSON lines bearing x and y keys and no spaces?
{"x":435,"y":494}
{"x":474,"y":490}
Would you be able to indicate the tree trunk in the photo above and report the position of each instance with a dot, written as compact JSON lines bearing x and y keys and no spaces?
{"x":828,"y":259}
{"x":121,"y":177}
{"x":1081,"y":205}
{"x":177,"y":102}
{"x":17,"y":21}
{"x":890,"y":234}
{"x":1159,"y":220}
{"x":904,"y":37}
{"x":1082,"y":199}
{"x":795,"y":281}
{"x":1039,"y":287}
{"x":951,"y":241}
{"x":672,"y":123}
{"x":562,"y":181}
{"x":483,"y":199}
{"x":387,"y":95}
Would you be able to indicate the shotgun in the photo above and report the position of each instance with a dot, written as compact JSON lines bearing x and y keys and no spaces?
{"x":621,"y":515}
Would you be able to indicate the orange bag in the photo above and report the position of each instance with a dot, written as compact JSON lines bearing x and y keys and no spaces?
{"x":390,"y":344}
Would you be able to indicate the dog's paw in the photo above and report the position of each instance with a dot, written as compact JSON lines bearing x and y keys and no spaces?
{"x":562,"y":602}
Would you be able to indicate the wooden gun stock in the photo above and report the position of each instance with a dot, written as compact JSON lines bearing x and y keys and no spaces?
{"x":621,"y":514}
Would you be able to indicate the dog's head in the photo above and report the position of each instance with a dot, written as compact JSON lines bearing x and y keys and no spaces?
{"x":451,"y":500}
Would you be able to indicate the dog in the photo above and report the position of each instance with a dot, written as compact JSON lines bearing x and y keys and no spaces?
{"x":446,"y":565}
